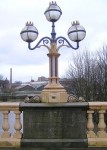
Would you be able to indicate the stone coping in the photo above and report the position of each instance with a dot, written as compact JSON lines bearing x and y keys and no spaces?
{"x":33,"y":105}
{"x":97,"y":105}
{"x":11,"y":106}
{"x":16,"y":105}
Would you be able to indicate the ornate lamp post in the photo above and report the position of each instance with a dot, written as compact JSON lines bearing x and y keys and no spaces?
{"x":53,"y":91}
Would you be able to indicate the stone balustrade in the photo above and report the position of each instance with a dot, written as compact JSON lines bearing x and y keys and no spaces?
{"x":8,"y":139}
{"x":96,"y":124}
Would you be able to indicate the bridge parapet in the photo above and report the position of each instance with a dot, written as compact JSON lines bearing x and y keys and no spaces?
{"x":96,"y":124}
{"x":8,"y":139}
{"x":94,"y":121}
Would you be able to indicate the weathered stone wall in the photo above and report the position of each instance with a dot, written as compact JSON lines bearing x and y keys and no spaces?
{"x":53,"y":125}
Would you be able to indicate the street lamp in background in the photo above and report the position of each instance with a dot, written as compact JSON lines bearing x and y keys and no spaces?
{"x":53,"y":91}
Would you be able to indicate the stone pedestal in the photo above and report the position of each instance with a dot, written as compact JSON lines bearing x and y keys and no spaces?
{"x":54,"y":96}
{"x":54,"y":92}
{"x":54,"y":125}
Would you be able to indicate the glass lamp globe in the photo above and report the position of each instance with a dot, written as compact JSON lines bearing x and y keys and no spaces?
{"x":29,"y":33}
{"x":76,"y":32}
{"x":53,"y":12}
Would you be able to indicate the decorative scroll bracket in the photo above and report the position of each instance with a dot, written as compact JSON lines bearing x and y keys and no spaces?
{"x":61,"y":41}
{"x":45,"y":42}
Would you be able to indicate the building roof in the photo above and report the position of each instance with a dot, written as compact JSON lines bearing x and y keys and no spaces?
{"x":23,"y":86}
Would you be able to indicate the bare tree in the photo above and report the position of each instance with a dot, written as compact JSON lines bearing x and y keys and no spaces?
{"x":102,"y":73}
{"x":88,"y":74}
{"x":1,"y":77}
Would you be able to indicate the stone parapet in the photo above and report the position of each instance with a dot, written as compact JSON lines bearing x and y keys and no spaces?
{"x":96,"y":125}
{"x":8,"y":139}
{"x":54,"y":125}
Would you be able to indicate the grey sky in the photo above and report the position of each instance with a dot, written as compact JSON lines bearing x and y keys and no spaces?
{"x":92,"y":14}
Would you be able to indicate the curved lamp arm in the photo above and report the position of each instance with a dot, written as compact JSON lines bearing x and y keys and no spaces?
{"x":45,"y":41}
{"x":61,"y":40}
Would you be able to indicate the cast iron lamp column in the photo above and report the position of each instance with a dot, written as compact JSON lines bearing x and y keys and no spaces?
{"x":53,"y":91}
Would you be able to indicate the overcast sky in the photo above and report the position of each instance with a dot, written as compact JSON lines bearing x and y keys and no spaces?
{"x":14,"y":53}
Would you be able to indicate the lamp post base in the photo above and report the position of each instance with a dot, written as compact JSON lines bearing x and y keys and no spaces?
{"x":54,"y":96}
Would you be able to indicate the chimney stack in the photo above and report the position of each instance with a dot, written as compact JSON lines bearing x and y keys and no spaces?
{"x":10,"y":78}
